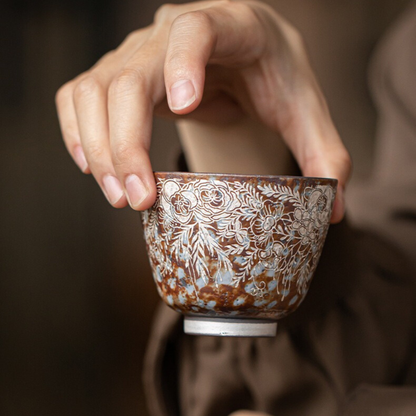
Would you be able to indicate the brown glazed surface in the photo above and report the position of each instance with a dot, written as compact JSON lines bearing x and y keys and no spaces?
{"x":236,"y":246}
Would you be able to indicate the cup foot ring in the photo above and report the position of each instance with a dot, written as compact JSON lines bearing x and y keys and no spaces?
{"x":229,"y":327}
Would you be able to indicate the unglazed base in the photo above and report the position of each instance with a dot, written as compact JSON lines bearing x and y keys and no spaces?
{"x":229,"y":327}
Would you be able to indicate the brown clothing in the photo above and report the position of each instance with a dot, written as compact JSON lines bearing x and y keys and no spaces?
{"x":350,"y":349}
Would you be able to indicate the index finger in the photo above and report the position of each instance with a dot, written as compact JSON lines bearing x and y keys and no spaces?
{"x":131,"y":99}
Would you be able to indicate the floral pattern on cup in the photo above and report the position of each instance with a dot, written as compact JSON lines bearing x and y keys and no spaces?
{"x":257,"y":239}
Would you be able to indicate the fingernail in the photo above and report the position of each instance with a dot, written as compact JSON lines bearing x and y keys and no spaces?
{"x":182,"y":94}
{"x":136,"y":191}
{"x":113,"y":189}
{"x":80,"y":159}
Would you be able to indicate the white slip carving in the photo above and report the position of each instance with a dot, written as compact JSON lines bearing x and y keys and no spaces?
{"x":245,"y":230}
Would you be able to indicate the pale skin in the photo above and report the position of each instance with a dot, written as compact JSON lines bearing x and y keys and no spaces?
{"x":214,"y":63}
{"x":234,"y":74}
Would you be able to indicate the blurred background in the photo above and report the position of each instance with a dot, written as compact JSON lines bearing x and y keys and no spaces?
{"x":76,"y":294}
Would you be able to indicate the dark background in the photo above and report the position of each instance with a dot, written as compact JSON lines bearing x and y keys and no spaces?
{"x":76,"y":295}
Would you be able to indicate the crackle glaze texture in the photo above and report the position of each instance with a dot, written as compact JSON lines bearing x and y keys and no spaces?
{"x":234,"y":245}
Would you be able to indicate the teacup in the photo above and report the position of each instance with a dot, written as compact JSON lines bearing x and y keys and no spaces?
{"x":235,"y":253}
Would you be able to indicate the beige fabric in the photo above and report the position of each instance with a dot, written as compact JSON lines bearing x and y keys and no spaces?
{"x":350,"y":348}
{"x":354,"y":327}
{"x":387,"y":203}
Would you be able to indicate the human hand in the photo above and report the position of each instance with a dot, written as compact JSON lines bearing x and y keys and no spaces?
{"x":215,"y":61}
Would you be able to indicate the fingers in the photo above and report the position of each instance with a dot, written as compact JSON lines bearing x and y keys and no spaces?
{"x":318,"y":148}
{"x":107,"y":66}
{"x":106,"y":114}
{"x":130,"y":124}
{"x":131,"y":99}
{"x":69,"y":126}
{"x":230,"y":35}
{"x":83,"y":115}
{"x":90,"y":107}
{"x":331,"y":163}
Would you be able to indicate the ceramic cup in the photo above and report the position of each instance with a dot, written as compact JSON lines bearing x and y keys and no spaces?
{"x":235,"y":253}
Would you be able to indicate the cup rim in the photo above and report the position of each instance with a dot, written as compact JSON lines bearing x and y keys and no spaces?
{"x":249,"y":176}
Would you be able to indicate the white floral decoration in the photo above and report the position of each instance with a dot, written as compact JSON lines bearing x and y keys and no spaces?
{"x":224,"y":221}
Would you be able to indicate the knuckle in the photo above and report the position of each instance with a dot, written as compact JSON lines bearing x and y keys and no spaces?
{"x":165,"y":13}
{"x":135,"y":38}
{"x":125,"y":82}
{"x":241,"y":7}
{"x":70,"y":133}
{"x":64,"y":93}
{"x":110,"y":54}
{"x":197,"y":20}
{"x":343,"y":164}
{"x":132,"y":36}
{"x":250,"y":14}
{"x":297,"y":37}
{"x":105,"y":58}
{"x":94,"y":152}
{"x":87,"y":87}
{"x":293,"y":35}
{"x":346,"y":160}
{"x":122,"y":153}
